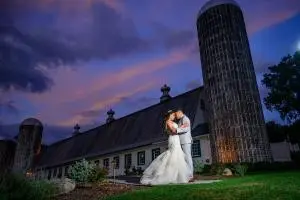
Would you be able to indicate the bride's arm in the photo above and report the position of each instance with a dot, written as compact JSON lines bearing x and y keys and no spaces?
{"x":171,"y":127}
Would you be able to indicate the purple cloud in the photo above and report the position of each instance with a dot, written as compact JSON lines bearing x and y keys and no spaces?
{"x":108,"y":36}
{"x":173,"y":38}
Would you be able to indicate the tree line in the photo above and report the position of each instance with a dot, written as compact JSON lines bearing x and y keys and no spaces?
{"x":283,"y":83}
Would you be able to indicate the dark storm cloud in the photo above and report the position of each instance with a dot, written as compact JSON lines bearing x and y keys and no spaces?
{"x":17,"y":67}
{"x":21,"y":53}
{"x":112,"y":35}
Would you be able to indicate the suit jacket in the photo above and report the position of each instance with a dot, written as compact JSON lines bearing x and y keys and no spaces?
{"x":184,"y":133}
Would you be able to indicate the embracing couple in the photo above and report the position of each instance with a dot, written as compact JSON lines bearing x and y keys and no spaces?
{"x":175,"y":165}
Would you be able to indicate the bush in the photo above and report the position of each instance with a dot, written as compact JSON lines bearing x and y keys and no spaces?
{"x":14,"y":187}
{"x":133,"y":171}
{"x":140,"y":171}
{"x":206,"y":169}
{"x":198,"y":167}
{"x":127,"y":171}
{"x":217,"y":169}
{"x":82,"y":171}
{"x":98,"y":174}
{"x":274,"y":166}
{"x":240,"y":169}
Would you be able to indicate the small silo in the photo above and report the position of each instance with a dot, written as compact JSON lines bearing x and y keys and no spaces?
{"x":28,"y":145}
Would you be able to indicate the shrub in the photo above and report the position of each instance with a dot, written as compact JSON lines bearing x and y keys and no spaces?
{"x":206,"y":169}
{"x":98,"y":174}
{"x":81,"y":171}
{"x":134,"y":171}
{"x":44,"y":189}
{"x":217,"y":169}
{"x":198,"y":167}
{"x":271,"y":166}
{"x":240,"y":169}
{"x":127,"y":171}
{"x":14,"y":186}
{"x":140,"y":171}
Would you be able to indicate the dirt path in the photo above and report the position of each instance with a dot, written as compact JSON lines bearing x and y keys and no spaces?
{"x":97,"y":192}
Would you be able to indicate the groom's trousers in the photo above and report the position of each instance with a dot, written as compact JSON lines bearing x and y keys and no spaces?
{"x":187,"y":149}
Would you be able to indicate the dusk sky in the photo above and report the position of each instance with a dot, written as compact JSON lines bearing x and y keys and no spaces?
{"x":69,"y":61}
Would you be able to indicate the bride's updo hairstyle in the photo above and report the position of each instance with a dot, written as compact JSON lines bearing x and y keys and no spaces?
{"x":166,"y":117}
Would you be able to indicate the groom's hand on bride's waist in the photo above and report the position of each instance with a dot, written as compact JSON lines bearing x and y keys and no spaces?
{"x":184,"y":125}
{"x":183,"y":128}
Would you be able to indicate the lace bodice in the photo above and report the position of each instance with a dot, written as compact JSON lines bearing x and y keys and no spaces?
{"x":174,"y":125}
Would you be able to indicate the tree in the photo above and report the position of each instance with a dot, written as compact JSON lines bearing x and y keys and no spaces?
{"x":283,"y":83}
{"x":294,"y":132}
{"x":276,"y":132}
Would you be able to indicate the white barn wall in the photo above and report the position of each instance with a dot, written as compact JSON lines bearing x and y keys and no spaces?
{"x":204,"y":145}
{"x":281,"y":151}
{"x":205,"y":154}
{"x":134,"y":162}
{"x":205,"y":150}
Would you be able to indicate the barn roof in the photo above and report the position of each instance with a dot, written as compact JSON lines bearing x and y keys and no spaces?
{"x":137,"y":129}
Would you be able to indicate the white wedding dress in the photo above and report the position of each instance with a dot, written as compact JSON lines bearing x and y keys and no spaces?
{"x":168,"y":167}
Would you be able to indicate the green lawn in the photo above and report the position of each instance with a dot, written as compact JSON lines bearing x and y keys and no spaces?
{"x":273,"y":186}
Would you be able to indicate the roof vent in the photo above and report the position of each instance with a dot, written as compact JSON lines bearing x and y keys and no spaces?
{"x":165,"y":93}
{"x":76,"y":129}
{"x":110,"y":116}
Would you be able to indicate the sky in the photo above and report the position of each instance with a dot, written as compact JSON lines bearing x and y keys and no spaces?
{"x":70,"y":61}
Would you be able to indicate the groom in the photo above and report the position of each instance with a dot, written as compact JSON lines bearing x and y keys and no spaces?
{"x":186,"y":140}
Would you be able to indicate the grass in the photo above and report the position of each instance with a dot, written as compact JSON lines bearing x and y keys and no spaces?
{"x":273,"y":186}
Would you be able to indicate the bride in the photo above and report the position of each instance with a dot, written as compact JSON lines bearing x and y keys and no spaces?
{"x":170,"y":166}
